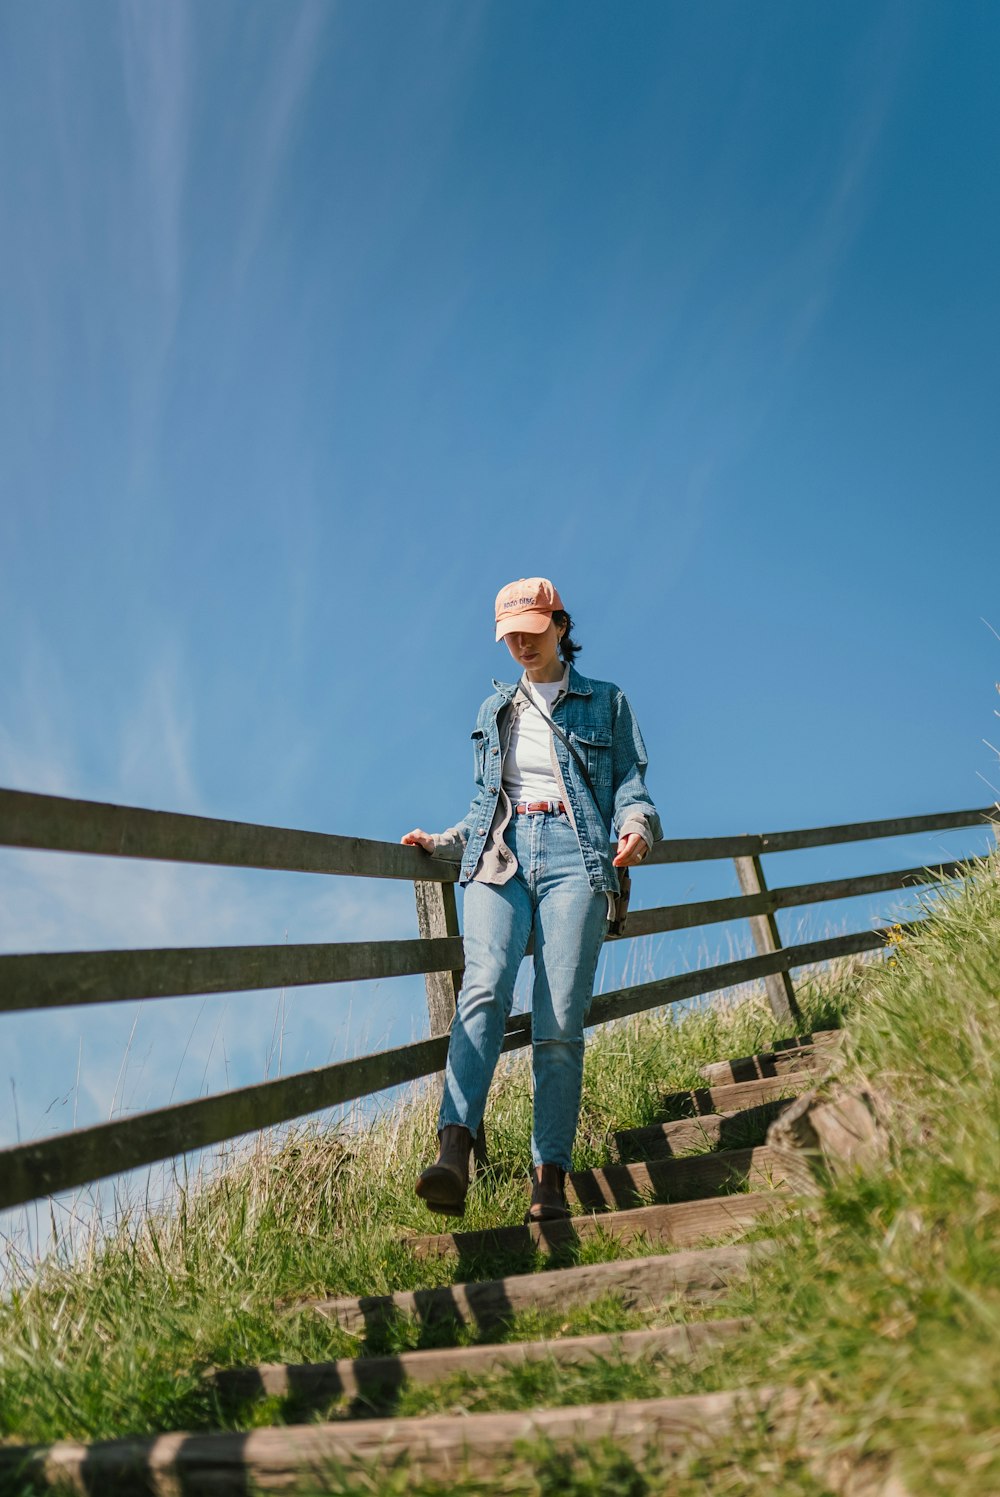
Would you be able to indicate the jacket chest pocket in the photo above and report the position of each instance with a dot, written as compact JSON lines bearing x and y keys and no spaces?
{"x":594,"y":747}
{"x":479,"y":746}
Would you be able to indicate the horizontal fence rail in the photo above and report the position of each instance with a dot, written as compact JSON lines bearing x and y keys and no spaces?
{"x":696,"y":849}
{"x":65,"y":978}
{"x":89,"y":826}
{"x":62,"y":978}
{"x":58,"y":824}
{"x":740,"y":906}
{"x":70,"y":1159}
{"x":56,"y":980}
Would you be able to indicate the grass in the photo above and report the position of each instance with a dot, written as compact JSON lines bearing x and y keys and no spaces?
{"x":115,"y":1343}
{"x":885,"y":1301}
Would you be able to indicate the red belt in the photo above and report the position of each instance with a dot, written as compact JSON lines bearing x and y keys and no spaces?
{"x":555,"y":806}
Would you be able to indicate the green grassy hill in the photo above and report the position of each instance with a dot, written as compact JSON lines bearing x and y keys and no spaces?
{"x":882,"y":1300}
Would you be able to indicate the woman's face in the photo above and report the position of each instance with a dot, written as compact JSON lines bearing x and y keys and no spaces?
{"x":536,"y":652}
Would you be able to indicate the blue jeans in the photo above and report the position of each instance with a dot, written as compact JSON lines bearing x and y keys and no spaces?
{"x":550,"y":896}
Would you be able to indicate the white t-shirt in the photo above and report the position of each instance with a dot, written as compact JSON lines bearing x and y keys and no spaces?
{"x":527,"y":767}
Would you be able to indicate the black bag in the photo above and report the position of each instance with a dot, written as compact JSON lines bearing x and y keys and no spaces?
{"x":617,"y":920}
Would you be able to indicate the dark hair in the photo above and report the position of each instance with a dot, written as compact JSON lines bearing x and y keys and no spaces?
{"x":568,"y":647}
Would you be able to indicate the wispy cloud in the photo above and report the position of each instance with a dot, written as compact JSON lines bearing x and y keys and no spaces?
{"x":157,"y":739}
{"x":36,"y":742}
{"x":158,"y":71}
{"x":156,"y":53}
{"x":842,"y":213}
{"x":56,"y":901}
{"x":282,"y":100}
{"x":144,"y":746}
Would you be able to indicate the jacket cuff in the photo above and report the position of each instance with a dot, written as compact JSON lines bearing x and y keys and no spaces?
{"x":448,"y":844}
{"x":636,"y":822}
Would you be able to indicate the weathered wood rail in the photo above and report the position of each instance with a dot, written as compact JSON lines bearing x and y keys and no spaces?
{"x":51,"y":980}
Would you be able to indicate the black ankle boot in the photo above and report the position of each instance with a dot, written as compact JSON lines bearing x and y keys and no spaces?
{"x":548,"y":1195}
{"x":444,"y":1184}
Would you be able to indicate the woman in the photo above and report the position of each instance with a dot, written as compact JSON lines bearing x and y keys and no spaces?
{"x":536,"y":859}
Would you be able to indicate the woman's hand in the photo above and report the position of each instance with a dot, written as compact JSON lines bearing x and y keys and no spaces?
{"x":631,"y":850}
{"x":417,"y":838}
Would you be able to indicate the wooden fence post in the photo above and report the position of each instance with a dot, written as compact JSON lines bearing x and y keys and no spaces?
{"x":437,"y":915}
{"x":764,"y":929}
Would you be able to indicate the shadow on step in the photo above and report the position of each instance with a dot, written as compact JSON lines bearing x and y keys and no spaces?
{"x":347,"y":1389}
{"x":688,"y":1137}
{"x":476,"y":1306}
{"x":730,"y":1096}
{"x":622,"y":1187}
{"x":176,"y":1463}
{"x":490,"y":1253}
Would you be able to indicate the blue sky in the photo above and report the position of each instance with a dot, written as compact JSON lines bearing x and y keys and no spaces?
{"x":321,"y":322}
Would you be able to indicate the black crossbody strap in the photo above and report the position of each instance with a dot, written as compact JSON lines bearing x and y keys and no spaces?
{"x":556,"y":729}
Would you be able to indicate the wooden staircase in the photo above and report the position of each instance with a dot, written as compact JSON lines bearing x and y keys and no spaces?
{"x":674,"y":1189}
{"x":680,"y":1186}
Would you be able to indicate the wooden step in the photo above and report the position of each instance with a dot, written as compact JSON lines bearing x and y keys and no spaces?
{"x":679,"y":1225}
{"x":443,"y":1446}
{"x":808,"y":1052}
{"x":315,"y":1383}
{"x":638,"y":1283}
{"x":728,"y":1129}
{"x":623,"y":1186}
{"x":734,"y":1095}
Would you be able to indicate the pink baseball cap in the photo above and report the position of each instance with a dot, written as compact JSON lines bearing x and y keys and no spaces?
{"x":526,"y":604}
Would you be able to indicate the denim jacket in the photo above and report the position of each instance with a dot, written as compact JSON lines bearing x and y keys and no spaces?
{"x":598,"y":721}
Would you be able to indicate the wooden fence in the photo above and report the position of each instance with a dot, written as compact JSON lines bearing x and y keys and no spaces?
{"x":43,"y":981}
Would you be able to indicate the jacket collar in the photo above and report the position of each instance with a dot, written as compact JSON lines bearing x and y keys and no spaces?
{"x":575,"y":685}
